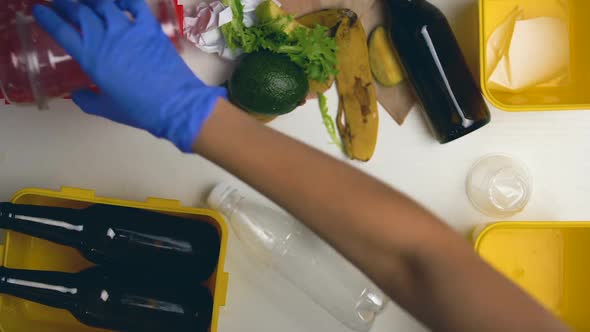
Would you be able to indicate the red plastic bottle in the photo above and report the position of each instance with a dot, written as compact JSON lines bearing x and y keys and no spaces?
{"x":8,"y":11}
{"x":34,"y":69}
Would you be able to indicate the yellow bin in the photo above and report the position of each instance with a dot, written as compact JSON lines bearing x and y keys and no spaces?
{"x":25,"y":252}
{"x":571,"y":94}
{"x":549,"y":260}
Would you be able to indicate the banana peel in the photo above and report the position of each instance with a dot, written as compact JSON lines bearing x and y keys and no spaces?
{"x":316,"y":87}
{"x":358,"y":117}
{"x":329,"y":18}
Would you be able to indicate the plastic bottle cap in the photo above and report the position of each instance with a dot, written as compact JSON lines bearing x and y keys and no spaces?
{"x":219,"y":194}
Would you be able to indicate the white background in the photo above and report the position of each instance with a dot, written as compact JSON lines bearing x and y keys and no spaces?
{"x":64,"y":147}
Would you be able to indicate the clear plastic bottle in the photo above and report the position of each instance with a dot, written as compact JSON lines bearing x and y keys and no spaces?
{"x":283,"y":243}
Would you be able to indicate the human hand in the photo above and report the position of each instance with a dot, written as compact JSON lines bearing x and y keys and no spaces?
{"x":143,"y":81}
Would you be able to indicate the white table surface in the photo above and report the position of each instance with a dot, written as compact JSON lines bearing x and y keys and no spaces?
{"x":64,"y":147}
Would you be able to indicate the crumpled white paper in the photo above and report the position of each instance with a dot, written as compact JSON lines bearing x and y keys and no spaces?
{"x":202,"y":25}
{"x":499,"y":41}
{"x":523,"y":54}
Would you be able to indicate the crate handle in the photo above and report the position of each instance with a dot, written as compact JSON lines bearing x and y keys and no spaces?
{"x":78,"y":192}
{"x":163,"y":203}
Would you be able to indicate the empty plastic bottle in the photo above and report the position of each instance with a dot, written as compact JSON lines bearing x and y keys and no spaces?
{"x":304,"y":259}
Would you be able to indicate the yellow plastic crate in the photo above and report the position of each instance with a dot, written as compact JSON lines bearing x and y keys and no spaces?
{"x":569,"y":97}
{"x":25,"y":252}
{"x":549,"y":260}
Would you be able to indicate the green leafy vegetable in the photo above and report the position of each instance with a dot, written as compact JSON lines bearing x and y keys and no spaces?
{"x":236,"y":34}
{"x":328,"y":121}
{"x":312,"y":49}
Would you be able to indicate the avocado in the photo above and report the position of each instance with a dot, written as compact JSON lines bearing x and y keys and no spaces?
{"x":269,"y":84}
{"x":269,"y":12}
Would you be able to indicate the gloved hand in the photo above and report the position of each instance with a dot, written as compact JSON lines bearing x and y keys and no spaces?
{"x":143,"y":81}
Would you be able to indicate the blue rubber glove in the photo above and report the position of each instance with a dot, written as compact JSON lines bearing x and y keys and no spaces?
{"x":144,"y":82}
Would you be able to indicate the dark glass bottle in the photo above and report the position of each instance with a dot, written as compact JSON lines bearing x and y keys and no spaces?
{"x":123,"y":237}
{"x":101,"y":298}
{"x":436,"y":67}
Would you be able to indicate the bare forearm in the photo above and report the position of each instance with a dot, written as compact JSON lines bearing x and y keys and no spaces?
{"x":422,"y":264}
{"x":338,"y":202}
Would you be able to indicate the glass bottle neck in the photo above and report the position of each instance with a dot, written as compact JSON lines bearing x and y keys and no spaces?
{"x":54,"y":224}
{"x":55,"y":289}
{"x":401,"y":7}
{"x":405,"y":2}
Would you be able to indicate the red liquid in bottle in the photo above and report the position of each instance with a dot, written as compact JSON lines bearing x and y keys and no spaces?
{"x":34,"y":69}
{"x":9,"y":67}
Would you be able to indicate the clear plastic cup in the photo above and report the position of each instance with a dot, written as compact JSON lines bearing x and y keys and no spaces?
{"x":34,"y":69}
{"x":499,"y":186}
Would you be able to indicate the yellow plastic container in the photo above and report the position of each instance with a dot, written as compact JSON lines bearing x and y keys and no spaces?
{"x":25,"y":252}
{"x":575,"y":94}
{"x":549,"y":260}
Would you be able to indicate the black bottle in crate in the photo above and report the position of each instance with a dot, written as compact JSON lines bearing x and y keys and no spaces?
{"x":436,"y":67}
{"x":134,"y":239}
{"x":106,"y":299}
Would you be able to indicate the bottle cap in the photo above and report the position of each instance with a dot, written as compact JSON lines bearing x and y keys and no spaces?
{"x":218,"y":195}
